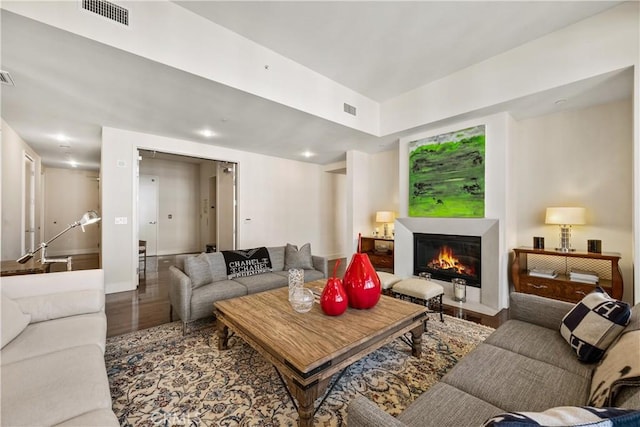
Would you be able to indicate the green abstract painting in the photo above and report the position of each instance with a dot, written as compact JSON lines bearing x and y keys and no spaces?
{"x":446,"y":175}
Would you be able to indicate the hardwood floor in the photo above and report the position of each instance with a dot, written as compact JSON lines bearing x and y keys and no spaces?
{"x":148,"y":305}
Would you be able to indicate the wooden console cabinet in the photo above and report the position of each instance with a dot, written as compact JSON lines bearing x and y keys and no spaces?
{"x":380,"y":251}
{"x":561,"y":287}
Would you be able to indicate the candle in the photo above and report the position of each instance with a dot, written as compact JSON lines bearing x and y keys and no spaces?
{"x":459,"y":292}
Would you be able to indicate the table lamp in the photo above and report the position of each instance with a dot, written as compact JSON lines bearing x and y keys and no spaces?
{"x":565,"y":218}
{"x":385,"y":217}
{"x":89,"y":217}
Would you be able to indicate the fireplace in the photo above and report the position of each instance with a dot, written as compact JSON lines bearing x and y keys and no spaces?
{"x":448,"y":257}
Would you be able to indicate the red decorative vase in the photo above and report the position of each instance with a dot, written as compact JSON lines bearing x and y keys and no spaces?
{"x":333,"y":300}
{"x":361,"y":282}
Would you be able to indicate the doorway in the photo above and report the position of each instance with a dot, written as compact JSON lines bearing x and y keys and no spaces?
{"x":196,"y":203}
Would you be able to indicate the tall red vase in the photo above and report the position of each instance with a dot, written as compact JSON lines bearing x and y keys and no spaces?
{"x":361,"y":282}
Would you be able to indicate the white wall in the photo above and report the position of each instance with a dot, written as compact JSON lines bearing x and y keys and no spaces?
{"x":279,"y":200}
{"x":12,"y":153}
{"x":68,"y":194}
{"x":178,"y":197}
{"x":579,"y":158}
{"x":383,"y":187}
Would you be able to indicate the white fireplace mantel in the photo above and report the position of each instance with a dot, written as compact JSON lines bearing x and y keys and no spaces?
{"x":487,"y":229}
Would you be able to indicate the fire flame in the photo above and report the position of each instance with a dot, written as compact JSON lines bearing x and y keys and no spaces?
{"x":446,"y":260}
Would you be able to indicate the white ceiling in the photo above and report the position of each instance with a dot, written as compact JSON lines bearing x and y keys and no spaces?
{"x":66,"y":84}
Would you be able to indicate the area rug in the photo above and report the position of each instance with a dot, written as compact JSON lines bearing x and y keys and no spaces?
{"x":159,"y":377}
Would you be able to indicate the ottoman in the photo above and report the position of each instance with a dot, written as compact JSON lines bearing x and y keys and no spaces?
{"x":420,"y":290}
{"x":387,"y":280}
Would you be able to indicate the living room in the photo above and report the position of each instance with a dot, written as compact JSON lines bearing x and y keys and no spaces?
{"x":545,"y":147}
{"x":266,"y":217}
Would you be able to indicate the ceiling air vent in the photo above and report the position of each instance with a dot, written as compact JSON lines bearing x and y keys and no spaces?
{"x":350,"y":109}
{"x":108,"y":10}
{"x":5,"y":78}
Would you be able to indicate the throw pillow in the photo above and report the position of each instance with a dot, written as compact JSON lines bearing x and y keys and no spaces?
{"x":294,"y":258}
{"x":13,"y":320}
{"x":197,"y":268}
{"x":568,"y":416}
{"x":593,"y":324}
{"x":619,"y":367}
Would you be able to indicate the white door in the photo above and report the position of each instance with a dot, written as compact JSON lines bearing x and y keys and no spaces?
{"x":226,"y":206}
{"x":29,"y":205}
{"x":148,"y":212}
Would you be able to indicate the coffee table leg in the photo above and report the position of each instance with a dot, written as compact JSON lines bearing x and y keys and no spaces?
{"x":416,"y":340}
{"x":305,"y":413}
{"x":223,"y":336}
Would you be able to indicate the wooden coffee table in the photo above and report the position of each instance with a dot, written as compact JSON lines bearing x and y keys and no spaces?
{"x":308,"y":349}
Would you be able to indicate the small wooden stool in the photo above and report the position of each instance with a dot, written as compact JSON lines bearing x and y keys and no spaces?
{"x":387,"y":280}
{"x":425,"y":291}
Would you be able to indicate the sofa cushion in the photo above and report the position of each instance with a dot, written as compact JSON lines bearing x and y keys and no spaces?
{"x":217,"y":265}
{"x":568,"y":416}
{"x":14,"y":321}
{"x":55,"y":387}
{"x":619,"y":368}
{"x":540,"y":343}
{"x":202,"y":298}
{"x":62,"y":304}
{"x":55,"y":335}
{"x":446,"y":406}
{"x":515,"y":382}
{"x":262,"y":282}
{"x":198,"y":270}
{"x":593,"y":324}
{"x":247,"y":262}
{"x":294,"y":258}
{"x":277,"y":258}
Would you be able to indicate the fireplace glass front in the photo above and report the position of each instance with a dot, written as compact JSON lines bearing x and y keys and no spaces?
{"x":448,"y":257}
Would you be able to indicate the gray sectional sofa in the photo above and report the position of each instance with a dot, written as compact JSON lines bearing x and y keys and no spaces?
{"x":196,"y":282}
{"x":53,"y":334}
{"x":525,"y":365}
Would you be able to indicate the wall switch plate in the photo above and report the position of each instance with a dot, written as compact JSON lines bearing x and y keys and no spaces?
{"x":121,"y":220}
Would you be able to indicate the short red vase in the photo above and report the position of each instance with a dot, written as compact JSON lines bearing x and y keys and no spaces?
{"x":361,"y":282}
{"x":333,"y":300}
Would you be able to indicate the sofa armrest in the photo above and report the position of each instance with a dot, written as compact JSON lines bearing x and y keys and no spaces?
{"x":30,"y":285}
{"x":538,"y":310}
{"x":362,"y":412}
{"x":55,"y":295}
{"x":180,"y":293}
{"x":321,"y":264}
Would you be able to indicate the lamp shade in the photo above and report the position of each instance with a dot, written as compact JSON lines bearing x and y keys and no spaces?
{"x":89,"y":218}
{"x":385,"y":216}
{"x":565,"y":216}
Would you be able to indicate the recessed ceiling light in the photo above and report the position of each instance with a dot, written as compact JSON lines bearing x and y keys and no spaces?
{"x":207,"y":133}
{"x":308,"y":154}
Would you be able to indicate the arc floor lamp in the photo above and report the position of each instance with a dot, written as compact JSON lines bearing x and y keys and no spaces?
{"x":88,"y":218}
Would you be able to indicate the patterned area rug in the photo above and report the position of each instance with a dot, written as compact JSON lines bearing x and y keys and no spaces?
{"x":158,"y":377}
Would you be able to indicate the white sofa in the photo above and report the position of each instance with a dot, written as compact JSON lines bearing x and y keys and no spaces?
{"x":52,"y":359}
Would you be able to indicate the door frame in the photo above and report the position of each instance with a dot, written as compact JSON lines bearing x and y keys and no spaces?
{"x":24,"y":246}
